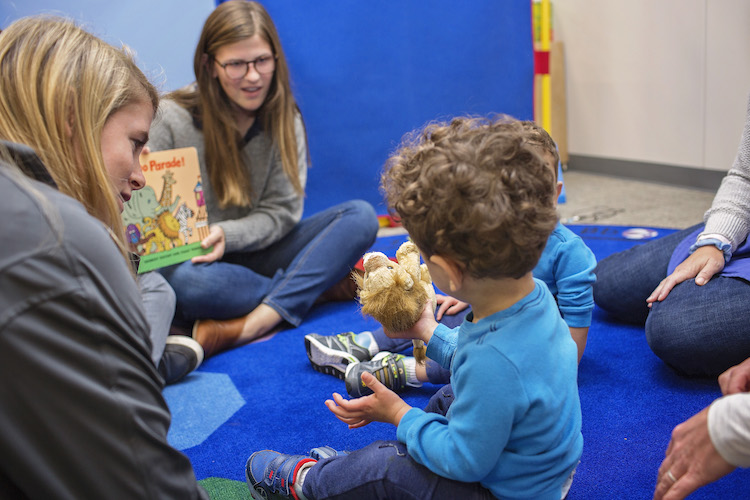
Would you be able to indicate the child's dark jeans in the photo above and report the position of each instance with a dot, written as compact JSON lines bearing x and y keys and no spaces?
{"x":385,"y":470}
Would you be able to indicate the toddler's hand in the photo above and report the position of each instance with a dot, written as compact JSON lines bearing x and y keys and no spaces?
{"x":383,"y":405}
{"x":449,"y":305}
{"x":422,"y":329}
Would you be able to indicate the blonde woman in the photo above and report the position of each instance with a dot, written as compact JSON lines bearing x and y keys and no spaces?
{"x":268,"y":266}
{"x":72,"y":148}
{"x":81,"y":403}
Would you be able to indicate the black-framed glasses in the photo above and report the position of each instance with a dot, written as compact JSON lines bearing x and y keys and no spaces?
{"x":238,"y":69}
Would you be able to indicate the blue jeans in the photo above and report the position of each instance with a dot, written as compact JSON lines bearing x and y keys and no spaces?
{"x":697,"y":330}
{"x":288,"y":276}
{"x":384,"y":469}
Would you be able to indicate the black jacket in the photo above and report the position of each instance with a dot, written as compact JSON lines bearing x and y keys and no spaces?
{"x":81,"y":409}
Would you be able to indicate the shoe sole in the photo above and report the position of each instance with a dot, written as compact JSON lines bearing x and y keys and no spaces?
{"x":327,"y":360}
{"x":255,"y":494}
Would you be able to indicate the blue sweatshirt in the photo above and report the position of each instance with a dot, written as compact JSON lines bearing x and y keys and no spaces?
{"x":567,"y":268}
{"x":515,"y":423}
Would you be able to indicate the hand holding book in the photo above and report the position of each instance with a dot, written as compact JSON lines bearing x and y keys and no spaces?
{"x":215,"y":240}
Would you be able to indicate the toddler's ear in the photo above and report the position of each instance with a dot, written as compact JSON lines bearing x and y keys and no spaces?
{"x":452,"y":270}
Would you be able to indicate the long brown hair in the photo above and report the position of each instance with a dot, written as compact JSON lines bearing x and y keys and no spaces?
{"x":231,"y":22}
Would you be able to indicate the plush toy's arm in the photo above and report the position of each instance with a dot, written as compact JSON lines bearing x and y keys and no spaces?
{"x":407,"y":256}
{"x":427,"y":284}
{"x":420,"y":351}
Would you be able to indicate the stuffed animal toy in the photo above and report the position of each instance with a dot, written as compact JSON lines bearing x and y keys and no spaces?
{"x":395,"y":293}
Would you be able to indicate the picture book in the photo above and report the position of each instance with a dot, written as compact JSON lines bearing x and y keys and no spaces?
{"x":166,"y":220}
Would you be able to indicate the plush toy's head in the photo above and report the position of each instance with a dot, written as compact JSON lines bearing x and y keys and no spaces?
{"x":395,"y":293}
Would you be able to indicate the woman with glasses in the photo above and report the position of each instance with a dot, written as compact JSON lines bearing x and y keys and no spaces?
{"x":268,"y":266}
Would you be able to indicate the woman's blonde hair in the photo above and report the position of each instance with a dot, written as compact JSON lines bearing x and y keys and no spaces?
{"x":231,"y":22}
{"x":59,"y":85}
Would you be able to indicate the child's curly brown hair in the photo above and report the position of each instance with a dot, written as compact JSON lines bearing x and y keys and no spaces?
{"x":537,"y":136}
{"x":475,"y":191}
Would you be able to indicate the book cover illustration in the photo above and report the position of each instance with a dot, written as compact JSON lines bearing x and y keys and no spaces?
{"x":166,"y":220}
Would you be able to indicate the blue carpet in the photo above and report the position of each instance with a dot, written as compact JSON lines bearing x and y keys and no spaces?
{"x":266,"y":395}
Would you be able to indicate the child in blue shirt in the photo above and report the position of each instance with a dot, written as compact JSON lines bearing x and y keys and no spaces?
{"x":478,"y":202}
{"x":566,"y":267}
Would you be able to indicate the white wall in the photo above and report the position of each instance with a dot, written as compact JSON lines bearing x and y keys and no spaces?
{"x":657,"y":81}
{"x":163,"y":33}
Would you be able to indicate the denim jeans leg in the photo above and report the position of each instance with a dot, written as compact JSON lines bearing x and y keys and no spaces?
{"x":316,"y":253}
{"x":218,"y":290}
{"x":288,"y":275}
{"x":441,"y":401}
{"x":386,"y":343}
{"x":702,"y":330}
{"x":335,"y":240}
{"x":380,"y":470}
{"x":625,"y":280}
{"x":436,"y":374}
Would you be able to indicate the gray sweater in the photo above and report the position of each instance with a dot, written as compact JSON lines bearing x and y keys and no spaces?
{"x":729,"y":214}
{"x":276,"y":207}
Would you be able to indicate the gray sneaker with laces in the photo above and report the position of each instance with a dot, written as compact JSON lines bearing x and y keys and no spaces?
{"x":331,"y":354}
{"x":388,"y":368}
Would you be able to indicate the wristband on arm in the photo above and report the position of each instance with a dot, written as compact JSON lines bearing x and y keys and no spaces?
{"x":725,"y":247}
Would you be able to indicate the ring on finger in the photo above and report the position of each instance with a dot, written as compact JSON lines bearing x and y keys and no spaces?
{"x":671,"y":476}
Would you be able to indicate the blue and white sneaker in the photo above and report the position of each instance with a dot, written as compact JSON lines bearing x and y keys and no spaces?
{"x":322,"y":452}
{"x":331,"y":354}
{"x":270,"y":473}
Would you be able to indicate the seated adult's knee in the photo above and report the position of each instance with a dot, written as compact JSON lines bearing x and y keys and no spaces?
{"x":677,"y":346}
{"x":665,"y":342}
{"x":603,"y":286}
{"x":363,"y":217}
{"x":366,"y":214}
{"x":625,"y":305}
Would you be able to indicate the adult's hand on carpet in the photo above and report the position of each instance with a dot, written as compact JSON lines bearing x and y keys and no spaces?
{"x":736,"y":379}
{"x":691,"y":460}
{"x":383,"y":405}
{"x":702,"y":265}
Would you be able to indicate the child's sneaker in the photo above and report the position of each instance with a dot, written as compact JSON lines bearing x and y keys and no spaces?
{"x":387,"y":367}
{"x":322,"y":452}
{"x":331,"y":354}
{"x":271,"y":473}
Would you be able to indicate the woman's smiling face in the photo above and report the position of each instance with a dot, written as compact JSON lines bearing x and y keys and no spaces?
{"x":248,"y":92}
